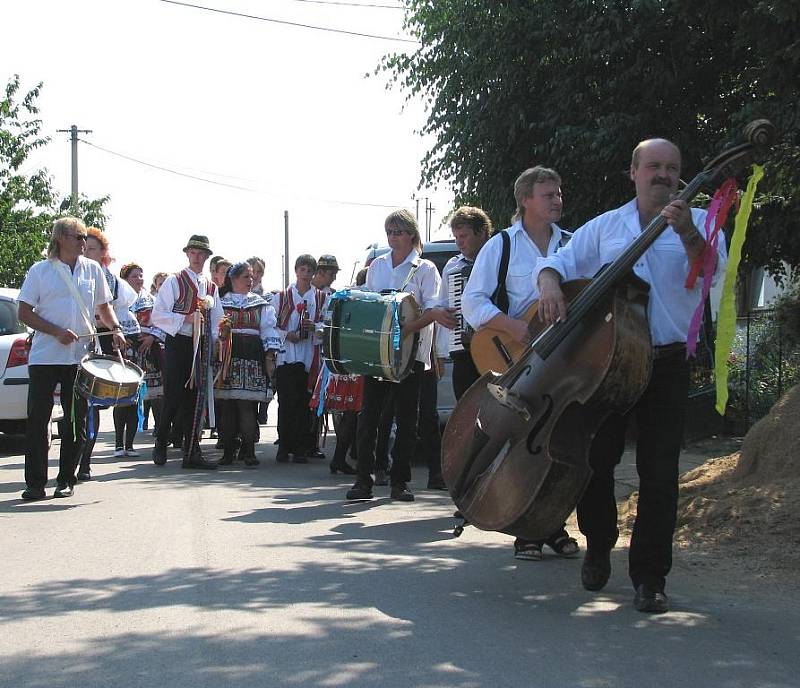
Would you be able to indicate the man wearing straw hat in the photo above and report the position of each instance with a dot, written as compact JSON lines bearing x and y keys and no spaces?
{"x":57,"y":299}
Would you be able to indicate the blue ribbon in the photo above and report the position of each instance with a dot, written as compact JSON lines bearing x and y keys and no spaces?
{"x":395,"y":326}
{"x":322,"y":387}
{"x":142,"y":393}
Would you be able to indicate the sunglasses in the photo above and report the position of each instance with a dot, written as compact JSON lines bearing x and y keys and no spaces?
{"x":396,"y":232}
{"x":79,"y":237}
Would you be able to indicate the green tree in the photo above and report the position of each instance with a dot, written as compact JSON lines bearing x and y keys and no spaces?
{"x":576,"y":85}
{"x":26,"y":200}
{"x":28,"y":203}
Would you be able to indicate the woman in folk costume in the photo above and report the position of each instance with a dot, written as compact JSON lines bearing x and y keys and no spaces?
{"x":149,"y":354}
{"x":247,"y":339}
{"x":97,"y":248}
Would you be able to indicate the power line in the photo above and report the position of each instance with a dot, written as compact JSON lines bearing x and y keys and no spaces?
{"x":230,"y":186}
{"x":167,"y":169}
{"x":288,"y":23}
{"x":352,"y":4}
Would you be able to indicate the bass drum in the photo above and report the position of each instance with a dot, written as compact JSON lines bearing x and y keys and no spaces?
{"x":361,"y":334}
{"x":108,"y":381}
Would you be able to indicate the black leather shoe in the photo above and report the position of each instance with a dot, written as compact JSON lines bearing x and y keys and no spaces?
{"x":343,"y":468}
{"x":436,"y":482}
{"x":401,"y":493}
{"x":227,"y":459}
{"x":596,"y":569}
{"x":650,"y":599}
{"x":197,"y":460}
{"x":31,"y":494}
{"x":63,"y":491}
{"x":359,"y":491}
{"x":299,"y":457}
{"x":381,"y":479}
{"x":282,"y":456}
{"x":160,"y":453}
{"x":316,"y":454}
{"x":84,"y":475}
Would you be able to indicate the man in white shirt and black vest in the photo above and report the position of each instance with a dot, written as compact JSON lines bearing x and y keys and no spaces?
{"x":179,"y":297}
{"x":60,"y":316}
{"x":655,"y":171}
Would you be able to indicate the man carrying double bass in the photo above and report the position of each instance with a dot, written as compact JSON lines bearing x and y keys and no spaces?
{"x":655,"y":171}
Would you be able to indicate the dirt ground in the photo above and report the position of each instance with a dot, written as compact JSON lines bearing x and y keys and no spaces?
{"x":739,"y":513}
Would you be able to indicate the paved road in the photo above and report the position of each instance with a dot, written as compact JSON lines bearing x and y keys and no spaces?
{"x":155,"y":576}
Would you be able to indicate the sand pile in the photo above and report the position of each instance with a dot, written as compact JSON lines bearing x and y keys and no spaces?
{"x":744,"y":509}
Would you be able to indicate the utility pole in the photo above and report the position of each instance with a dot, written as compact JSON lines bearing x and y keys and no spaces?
{"x":285,"y":248}
{"x":73,"y":131}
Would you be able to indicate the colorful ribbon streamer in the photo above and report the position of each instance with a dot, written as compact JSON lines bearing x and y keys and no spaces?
{"x":726,"y":320}
{"x":718,"y":211}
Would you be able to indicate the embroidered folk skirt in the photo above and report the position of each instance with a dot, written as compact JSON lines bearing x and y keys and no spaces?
{"x":246,"y":377}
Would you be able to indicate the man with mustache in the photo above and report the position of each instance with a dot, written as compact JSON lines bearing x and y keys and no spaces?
{"x":655,"y":171}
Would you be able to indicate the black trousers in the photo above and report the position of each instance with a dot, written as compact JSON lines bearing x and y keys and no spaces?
{"x":384,"y":435}
{"x":238,"y":419}
{"x":345,"y":437}
{"x":406,"y":402}
{"x":464,"y":372}
{"x":429,"y":442}
{"x":126,"y":422}
{"x":179,"y":400}
{"x":43,"y":381}
{"x":294,"y":415}
{"x":660,"y":415}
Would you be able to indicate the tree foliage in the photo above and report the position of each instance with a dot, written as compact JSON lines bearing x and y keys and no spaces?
{"x":575,"y":85}
{"x":28,"y":203}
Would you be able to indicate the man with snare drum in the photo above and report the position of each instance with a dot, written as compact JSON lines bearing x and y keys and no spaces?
{"x":58,"y":299}
{"x":401,"y":269}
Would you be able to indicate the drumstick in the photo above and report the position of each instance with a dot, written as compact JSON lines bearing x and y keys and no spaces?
{"x":96,"y":334}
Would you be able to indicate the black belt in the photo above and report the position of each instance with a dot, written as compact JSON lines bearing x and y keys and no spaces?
{"x":666,"y":350}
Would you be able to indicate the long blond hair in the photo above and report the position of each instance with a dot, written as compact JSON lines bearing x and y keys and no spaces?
{"x":61,"y":228}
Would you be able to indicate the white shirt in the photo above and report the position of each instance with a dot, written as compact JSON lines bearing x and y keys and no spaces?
{"x":664,"y":266}
{"x":424,"y":285}
{"x":476,"y":301}
{"x":303,"y":350}
{"x":51,"y":299}
{"x":174,"y":323}
{"x":126,"y":297}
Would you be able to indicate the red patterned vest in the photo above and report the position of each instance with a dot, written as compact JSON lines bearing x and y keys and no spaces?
{"x":187,"y":293}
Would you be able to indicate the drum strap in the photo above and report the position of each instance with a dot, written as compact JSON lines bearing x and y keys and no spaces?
{"x":414,"y":267}
{"x":74,"y":291}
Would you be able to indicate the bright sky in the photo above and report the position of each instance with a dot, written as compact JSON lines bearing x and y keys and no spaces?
{"x":284,"y":111}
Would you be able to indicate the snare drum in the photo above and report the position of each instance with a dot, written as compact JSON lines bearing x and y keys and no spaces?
{"x":107,"y":381}
{"x":361,"y":334}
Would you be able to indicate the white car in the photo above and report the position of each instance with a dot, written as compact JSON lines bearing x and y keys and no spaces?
{"x":14,"y":368}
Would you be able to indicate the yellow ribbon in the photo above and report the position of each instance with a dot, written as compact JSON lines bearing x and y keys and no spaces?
{"x":726,"y":320}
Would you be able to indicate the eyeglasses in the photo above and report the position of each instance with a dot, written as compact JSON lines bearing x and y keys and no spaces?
{"x":79,"y":237}
{"x":395,"y":232}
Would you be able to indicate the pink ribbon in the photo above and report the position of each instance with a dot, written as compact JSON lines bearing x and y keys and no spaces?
{"x":718,"y":210}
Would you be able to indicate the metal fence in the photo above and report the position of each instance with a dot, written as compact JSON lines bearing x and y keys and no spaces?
{"x":764,"y":362}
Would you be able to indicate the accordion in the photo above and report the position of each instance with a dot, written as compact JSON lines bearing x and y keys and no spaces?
{"x":459,"y":337}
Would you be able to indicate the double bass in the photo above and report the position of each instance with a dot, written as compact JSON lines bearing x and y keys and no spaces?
{"x":515,"y":452}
